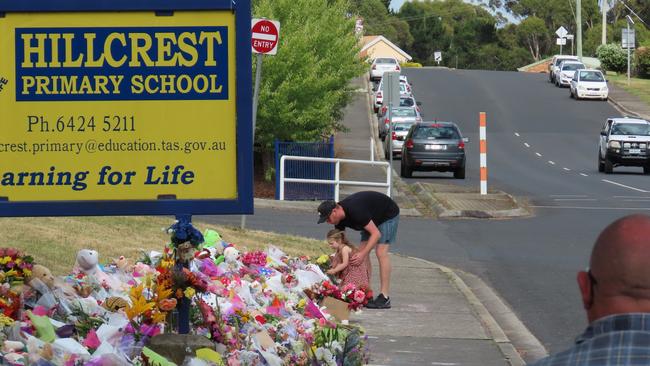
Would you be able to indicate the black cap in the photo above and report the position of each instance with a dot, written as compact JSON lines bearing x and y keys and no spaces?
{"x":325,"y":209}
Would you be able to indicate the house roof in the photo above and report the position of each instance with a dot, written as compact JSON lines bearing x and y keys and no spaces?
{"x":369,"y":41}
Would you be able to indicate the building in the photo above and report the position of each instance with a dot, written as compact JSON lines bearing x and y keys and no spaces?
{"x":378,"y":46}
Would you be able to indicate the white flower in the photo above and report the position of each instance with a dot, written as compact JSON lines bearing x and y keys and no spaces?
{"x":336,"y":346}
{"x":325,"y":355}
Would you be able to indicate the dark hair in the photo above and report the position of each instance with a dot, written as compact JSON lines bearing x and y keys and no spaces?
{"x":340,"y":235}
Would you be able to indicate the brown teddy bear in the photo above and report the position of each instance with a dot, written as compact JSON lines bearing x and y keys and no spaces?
{"x":43,"y":274}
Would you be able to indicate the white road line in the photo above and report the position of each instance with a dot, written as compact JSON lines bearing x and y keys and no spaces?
{"x":517,"y":134}
{"x":631,"y":197}
{"x":569,"y":195}
{"x":597,"y":208}
{"x":567,"y":169}
{"x":624,"y":186}
{"x":574,"y":199}
{"x":628,"y":200}
{"x":526,"y":144}
{"x":551,"y":162}
{"x":538,"y":154}
{"x":584,"y":175}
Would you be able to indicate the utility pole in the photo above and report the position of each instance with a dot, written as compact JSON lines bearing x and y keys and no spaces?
{"x":579,"y":29}
{"x":604,"y":7}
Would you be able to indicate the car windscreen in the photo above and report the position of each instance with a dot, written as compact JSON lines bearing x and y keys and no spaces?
{"x":404,"y":112}
{"x":436,"y":133}
{"x":591,"y":76}
{"x":636,"y":129}
{"x":572,"y":67}
{"x":406,"y":102}
{"x":402,"y":126}
{"x":385,"y":61}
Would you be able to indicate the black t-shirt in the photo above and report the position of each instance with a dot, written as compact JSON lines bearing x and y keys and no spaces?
{"x":362,"y":207}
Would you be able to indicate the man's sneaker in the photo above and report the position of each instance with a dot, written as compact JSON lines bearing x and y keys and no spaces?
{"x":381,"y":302}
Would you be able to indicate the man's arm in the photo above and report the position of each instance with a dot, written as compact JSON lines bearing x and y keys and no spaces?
{"x":375,"y":234}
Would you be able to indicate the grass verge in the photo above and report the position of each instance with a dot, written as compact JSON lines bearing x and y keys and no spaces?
{"x":638,"y":87}
{"x":54,"y":241}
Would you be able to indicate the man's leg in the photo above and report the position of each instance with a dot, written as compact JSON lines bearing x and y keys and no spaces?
{"x":384,"y":268}
{"x":361,"y":246}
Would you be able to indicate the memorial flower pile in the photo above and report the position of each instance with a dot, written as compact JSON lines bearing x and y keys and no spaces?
{"x":252,"y":305}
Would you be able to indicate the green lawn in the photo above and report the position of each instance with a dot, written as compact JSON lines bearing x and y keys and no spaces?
{"x":54,"y":241}
{"x":638,"y":87}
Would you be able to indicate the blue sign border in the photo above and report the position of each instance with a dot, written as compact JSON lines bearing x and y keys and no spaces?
{"x":244,"y":203}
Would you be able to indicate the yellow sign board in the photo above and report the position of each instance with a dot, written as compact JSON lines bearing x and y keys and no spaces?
{"x":118,"y":106}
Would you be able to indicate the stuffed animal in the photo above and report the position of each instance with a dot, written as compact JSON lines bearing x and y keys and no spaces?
{"x":43,"y":274}
{"x":123,"y":265}
{"x":115,"y":303}
{"x":231,"y":255}
{"x":87,"y":261}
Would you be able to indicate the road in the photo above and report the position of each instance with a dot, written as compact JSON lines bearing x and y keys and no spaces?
{"x":530,"y":262}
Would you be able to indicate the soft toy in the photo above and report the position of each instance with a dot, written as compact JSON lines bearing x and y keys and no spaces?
{"x":43,"y":274}
{"x":87,"y":261}
{"x":231,"y":255}
{"x":115,"y":303}
{"x":123,"y":265}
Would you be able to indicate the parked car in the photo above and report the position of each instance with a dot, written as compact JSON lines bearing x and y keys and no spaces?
{"x":589,"y":83}
{"x":404,"y":91}
{"x":555,"y":62}
{"x":434,"y":146}
{"x":565,"y":72}
{"x":381,"y":65}
{"x":400,"y":129}
{"x":400,"y":114}
{"x":403,"y":102}
{"x":624,"y":142}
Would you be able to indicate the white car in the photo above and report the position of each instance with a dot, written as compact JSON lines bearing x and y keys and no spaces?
{"x":565,"y":72}
{"x":555,"y":63}
{"x":624,"y":142}
{"x":404,"y":91}
{"x":589,"y":83}
{"x":381,"y":65}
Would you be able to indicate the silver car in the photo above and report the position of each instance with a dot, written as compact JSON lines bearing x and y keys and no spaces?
{"x":400,"y":114}
{"x":400,"y":129}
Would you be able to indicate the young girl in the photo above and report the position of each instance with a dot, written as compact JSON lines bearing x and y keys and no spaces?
{"x":358,"y":275}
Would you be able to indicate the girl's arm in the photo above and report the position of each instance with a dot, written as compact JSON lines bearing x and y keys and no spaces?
{"x":345,"y":259}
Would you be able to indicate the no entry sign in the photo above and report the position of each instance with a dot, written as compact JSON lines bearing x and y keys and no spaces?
{"x":264,"y":36}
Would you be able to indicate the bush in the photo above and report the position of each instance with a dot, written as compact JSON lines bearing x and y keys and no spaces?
{"x":612,"y":57}
{"x":411,"y":64}
{"x":642,"y":62}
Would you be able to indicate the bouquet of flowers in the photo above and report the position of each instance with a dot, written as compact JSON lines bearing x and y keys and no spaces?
{"x":355,"y":297}
{"x":15,"y":267}
{"x":339,"y":345}
{"x":324,"y":262}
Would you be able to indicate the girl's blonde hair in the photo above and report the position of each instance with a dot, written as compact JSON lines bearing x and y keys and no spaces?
{"x":340,"y":236}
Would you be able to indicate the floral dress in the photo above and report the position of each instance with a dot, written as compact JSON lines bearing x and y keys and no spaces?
{"x":358,"y":275}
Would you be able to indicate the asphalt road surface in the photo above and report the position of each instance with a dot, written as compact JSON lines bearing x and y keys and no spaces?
{"x":542,"y":145}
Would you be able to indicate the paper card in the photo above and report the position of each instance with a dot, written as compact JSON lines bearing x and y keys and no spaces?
{"x":337,"y":308}
{"x":264,"y":340}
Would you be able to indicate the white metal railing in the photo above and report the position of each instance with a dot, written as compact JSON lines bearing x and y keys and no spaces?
{"x":337,"y":169}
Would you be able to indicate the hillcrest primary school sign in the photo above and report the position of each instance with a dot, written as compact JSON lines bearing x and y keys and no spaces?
{"x":127,"y":107}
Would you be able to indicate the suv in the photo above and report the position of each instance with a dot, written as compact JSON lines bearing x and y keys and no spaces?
{"x":434,"y":146}
{"x":381,"y":65}
{"x":624,"y":142}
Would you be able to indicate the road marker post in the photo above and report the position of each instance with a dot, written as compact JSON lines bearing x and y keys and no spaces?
{"x":483,"y":152}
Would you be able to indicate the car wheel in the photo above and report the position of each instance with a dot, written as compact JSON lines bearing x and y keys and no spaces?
{"x":405,"y":171}
{"x":601,"y":164}
{"x":646,"y":169}
{"x":605,"y":99}
{"x":460,"y":173}
{"x":570,"y":94}
{"x":609,"y":167}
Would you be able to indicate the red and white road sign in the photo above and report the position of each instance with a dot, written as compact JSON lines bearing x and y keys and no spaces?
{"x":264,"y":36}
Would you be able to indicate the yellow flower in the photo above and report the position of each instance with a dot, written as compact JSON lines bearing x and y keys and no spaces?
{"x":189,"y":292}
{"x":322,"y":259}
{"x":18,"y":260}
{"x":301,"y":303}
{"x":5,"y":260}
{"x":11,"y":273}
{"x":27,"y":272}
{"x":5,"y":320}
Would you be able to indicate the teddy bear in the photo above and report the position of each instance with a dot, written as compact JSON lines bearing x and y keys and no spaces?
{"x":43,"y":274}
{"x":122,"y":264}
{"x":88,"y":263}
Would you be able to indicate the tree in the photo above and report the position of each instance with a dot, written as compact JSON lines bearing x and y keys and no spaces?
{"x":533,"y":32}
{"x":305,"y":86}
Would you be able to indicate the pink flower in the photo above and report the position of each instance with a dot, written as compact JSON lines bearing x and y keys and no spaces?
{"x":359,"y":296}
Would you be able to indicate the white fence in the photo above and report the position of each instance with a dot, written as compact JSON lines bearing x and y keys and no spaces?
{"x":337,"y":169}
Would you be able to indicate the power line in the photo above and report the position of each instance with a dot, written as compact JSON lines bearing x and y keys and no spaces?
{"x":634,"y":13}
